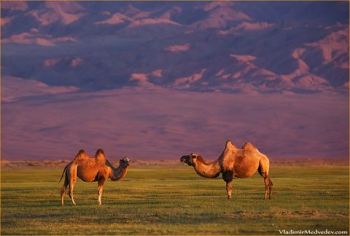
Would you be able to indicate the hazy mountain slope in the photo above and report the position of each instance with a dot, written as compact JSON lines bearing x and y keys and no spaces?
{"x":160,"y":123}
{"x":129,"y":77}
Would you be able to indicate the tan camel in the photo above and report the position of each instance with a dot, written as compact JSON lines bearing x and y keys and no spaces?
{"x":233,"y":162}
{"x":91,"y":169}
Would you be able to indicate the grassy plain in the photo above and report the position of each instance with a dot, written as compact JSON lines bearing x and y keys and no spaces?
{"x":174,"y":200}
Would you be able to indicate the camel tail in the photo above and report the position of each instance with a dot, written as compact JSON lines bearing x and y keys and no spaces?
{"x":63,"y":172}
{"x":81,"y":151}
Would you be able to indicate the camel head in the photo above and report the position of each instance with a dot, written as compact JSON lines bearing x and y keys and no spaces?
{"x":124,"y":162}
{"x":189,"y":159}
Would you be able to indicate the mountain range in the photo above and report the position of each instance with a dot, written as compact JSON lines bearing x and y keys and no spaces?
{"x":156,"y":80}
{"x":263,"y":47}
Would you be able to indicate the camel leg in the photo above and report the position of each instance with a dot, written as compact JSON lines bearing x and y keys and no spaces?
{"x":100,"y":190}
{"x":63,"y":190}
{"x":266,"y":181}
{"x":264,"y":172}
{"x":64,"y":187}
{"x":71,"y":189}
{"x":270,"y":187}
{"x":227,"y":177}
{"x":229,"y":189}
{"x":72,"y":180}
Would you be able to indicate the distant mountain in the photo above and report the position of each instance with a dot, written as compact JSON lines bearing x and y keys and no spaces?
{"x":202,"y":46}
{"x":129,"y":77}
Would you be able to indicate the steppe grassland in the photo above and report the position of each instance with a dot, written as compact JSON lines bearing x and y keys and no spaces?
{"x":174,"y":200}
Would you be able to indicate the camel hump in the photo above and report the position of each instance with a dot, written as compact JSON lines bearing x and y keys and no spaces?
{"x":249,"y":147}
{"x":99,"y":152}
{"x":229,"y":145}
{"x":81,"y":152}
{"x":100,"y":156}
{"x":81,"y":155}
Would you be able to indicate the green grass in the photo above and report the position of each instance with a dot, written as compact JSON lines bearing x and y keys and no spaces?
{"x":174,"y":200}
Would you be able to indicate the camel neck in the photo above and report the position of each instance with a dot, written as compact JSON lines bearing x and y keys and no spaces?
{"x":208,"y":170}
{"x":117,"y":173}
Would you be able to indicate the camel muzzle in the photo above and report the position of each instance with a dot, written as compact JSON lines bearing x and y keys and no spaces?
{"x":186,"y":160}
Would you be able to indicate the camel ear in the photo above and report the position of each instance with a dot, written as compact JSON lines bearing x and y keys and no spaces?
{"x":229,"y":144}
{"x":194,"y":155}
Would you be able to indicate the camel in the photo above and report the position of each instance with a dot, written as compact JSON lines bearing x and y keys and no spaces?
{"x":91,"y":169}
{"x":233,"y":162}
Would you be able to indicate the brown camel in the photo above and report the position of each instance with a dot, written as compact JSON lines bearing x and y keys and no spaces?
{"x":233,"y":162}
{"x":91,"y":169}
